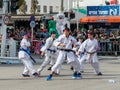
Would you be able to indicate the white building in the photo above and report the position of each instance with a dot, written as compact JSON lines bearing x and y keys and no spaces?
{"x":47,"y":6}
{"x":84,"y":3}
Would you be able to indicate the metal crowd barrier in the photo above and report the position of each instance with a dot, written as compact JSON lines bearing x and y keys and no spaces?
{"x":109,"y":47}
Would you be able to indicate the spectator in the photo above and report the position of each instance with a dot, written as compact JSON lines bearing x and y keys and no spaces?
{"x":118,"y":36}
{"x":112,"y":36}
{"x":107,"y":31}
{"x":79,"y":34}
{"x":45,"y":33}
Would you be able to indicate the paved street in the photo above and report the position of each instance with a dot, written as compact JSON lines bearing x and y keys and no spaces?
{"x":11,"y":79}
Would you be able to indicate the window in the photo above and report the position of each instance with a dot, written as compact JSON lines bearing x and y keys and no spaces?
{"x":38,"y":8}
{"x":50,"y":9}
{"x":45,"y":9}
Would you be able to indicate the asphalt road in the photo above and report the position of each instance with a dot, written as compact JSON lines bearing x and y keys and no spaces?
{"x":11,"y":79}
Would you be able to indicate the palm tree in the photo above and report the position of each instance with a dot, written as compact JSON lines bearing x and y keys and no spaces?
{"x":33,"y":6}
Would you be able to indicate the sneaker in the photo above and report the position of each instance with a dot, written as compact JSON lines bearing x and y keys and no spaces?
{"x":49,"y":68}
{"x":25,"y":75}
{"x":79,"y":76}
{"x":49,"y":77}
{"x":71,"y":68}
{"x":74,"y":76}
{"x":99,"y":74}
{"x":35,"y":74}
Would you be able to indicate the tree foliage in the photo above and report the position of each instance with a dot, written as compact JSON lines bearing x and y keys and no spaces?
{"x":23,"y":7}
{"x":33,"y":6}
{"x":20,"y":2}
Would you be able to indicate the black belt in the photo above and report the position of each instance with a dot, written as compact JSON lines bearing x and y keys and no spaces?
{"x":67,"y":50}
{"x":53,"y":51}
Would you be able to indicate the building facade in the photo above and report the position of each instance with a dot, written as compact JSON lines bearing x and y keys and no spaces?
{"x":53,"y":6}
{"x":84,"y":3}
{"x":48,"y":6}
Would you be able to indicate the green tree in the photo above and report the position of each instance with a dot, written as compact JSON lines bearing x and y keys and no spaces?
{"x":33,"y":6}
{"x":23,"y":7}
{"x":16,"y":4}
{"x":21,"y":2}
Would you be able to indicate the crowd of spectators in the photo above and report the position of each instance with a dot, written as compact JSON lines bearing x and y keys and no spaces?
{"x":99,"y":34}
{"x":109,"y":40}
{"x":104,"y":36}
{"x":39,"y":37}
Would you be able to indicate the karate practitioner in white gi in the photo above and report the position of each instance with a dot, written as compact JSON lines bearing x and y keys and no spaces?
{"x":90,"y":47}
{"x":50,"y":52}
{"x":76,"y":48}
{"x":64,"y":44}
{"x":25,"y":58}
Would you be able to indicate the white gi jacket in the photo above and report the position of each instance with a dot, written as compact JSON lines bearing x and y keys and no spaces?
{"x":90,"y":48}
{"x":69,"y":42}
{"x":24,"y":44}
{"x":49,"y":48}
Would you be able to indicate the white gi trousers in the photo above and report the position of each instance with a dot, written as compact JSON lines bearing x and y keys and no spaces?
{"x":92,"y":59}
{"x":49,"y":59}
{"x":82,"y":64}
{"x":71,"y":59}
{"x":25,"y":58}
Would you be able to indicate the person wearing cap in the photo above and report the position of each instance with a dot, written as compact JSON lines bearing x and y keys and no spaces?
{"x":50,"y":52}
{"x":25,"y":58}
{"x":64,"y":44}
{"x":90,"y":47}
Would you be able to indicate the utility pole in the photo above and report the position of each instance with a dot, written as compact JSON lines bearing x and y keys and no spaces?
{"x":77,"y":14}
{"x":68,"y":9}
{"x":62,"y":2}
{"x":4,"y":26}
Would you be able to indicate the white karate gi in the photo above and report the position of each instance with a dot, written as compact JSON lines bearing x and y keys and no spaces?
{"x":89,"y":47}
{"x":25,"y":58}
{"x":82,"y":57}
{"x":71,"y":59}
{"x":76,"y":49}
{"x":50,"y":56}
